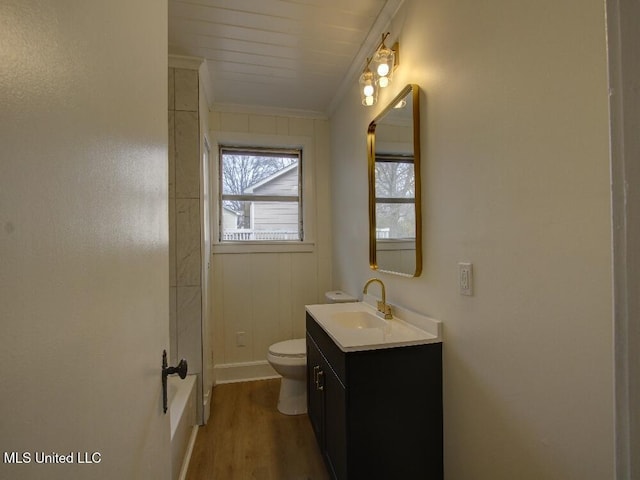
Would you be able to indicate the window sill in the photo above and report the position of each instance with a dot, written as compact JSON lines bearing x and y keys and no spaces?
{"x":262,"y":247}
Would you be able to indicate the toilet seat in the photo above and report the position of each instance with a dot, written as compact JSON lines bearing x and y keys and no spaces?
{"x":289,"y":348}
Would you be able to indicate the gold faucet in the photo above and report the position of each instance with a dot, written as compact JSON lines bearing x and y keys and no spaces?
{"x":383,"y":308}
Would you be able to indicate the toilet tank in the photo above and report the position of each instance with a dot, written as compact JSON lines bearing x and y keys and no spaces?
{"x":337,"y":296}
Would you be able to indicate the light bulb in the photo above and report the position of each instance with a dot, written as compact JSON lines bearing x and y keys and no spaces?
{"x":368,"y":90}
{"x":368,"y":100}
{"x":383,"y":82}
{"x":383,"y":69}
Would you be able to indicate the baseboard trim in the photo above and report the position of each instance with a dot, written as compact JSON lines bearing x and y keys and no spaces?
{"x":243,"y":372}
{"x":187,"y":455}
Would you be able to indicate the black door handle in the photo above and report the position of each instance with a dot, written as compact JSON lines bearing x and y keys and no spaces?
{"x":180,"y":369}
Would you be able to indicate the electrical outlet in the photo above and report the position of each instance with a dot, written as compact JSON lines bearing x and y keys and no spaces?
{"x":240,"y":342}
{"x":465,"y":278}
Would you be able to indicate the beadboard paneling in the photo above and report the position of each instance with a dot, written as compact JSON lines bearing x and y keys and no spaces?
{"x":263,"y":295}
{"x":274,"y":53}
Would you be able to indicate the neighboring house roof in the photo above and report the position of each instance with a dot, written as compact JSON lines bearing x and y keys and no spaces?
{"x":271,"y":178}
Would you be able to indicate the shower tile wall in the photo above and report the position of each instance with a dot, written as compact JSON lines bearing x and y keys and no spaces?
{"x":184,"y":220}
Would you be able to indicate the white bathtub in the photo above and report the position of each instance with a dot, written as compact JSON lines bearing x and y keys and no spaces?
{"x":181,"y":396}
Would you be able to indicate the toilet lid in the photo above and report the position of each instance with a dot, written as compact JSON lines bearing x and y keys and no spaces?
{"x":289,"y":348}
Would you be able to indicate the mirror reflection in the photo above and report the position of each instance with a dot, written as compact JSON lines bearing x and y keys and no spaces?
{"x":394,"y":187}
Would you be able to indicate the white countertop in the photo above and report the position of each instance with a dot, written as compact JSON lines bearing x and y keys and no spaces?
{"x":406,"y":327}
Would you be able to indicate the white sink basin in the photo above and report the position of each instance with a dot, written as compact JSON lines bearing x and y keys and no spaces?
{"x":356,"y":326}
{"x":358,"y":320}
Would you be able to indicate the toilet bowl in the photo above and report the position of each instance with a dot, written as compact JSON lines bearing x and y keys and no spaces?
{"x":289,"y":359}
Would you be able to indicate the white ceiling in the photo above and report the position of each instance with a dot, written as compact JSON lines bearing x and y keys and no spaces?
{"x":294,"y":55}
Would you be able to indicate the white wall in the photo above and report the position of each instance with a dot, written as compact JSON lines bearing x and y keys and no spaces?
{"x":84,"y":308}
{"x":516,"y":180}
{"x":263,"y":293}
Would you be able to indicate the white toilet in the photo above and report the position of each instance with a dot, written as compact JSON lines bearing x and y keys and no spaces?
{"x":289,"y":359}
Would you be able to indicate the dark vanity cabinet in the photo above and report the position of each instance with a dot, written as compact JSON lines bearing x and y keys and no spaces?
{"x":377,"y":414}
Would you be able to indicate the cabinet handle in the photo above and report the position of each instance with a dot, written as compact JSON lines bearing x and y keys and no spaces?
{"x":318,"y":385}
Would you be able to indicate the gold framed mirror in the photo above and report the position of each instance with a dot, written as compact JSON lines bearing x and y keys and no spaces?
{"x":395,"y":217}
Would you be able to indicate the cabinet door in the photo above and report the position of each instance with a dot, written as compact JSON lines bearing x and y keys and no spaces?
{"x":335,"y":423}
{"x":315,"y":407}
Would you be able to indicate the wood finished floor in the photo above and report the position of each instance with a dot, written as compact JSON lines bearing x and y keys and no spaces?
{"x":247,"y":438}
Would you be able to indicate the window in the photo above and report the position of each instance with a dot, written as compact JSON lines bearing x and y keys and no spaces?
{"x":260,"y":194}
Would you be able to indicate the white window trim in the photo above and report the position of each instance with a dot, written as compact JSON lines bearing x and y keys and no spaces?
{"x":240,"y":139}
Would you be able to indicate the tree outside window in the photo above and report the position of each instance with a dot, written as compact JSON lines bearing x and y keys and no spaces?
{"x":395,"y":197}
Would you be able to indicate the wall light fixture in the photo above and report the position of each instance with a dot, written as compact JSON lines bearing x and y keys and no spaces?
{"x":385,"y":61}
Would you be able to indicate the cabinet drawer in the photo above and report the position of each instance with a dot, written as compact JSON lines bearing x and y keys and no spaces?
{"x":334,"y":356}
